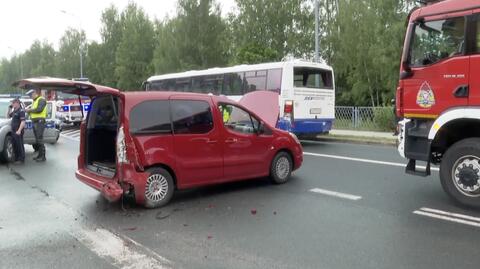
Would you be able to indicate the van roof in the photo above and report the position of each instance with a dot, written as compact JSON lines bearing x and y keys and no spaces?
{"x":167,"y":94}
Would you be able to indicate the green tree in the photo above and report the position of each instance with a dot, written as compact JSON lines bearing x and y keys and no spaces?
{"x":195,"y":39}
{"x":68,"y":58}
{"x":363,"y":42}
{"x":274,"y":28}
{"x":135,"y":50}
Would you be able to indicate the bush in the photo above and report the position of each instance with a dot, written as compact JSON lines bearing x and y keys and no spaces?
{"x":384,"y":118}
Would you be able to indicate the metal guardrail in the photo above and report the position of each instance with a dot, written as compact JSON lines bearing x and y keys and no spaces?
{"x":364,"y":118}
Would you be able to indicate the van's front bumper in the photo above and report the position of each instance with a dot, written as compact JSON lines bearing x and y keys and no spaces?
{"x":110,"y":189}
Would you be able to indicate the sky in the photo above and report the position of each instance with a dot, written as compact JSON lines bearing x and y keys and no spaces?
{"x":24,"y":21}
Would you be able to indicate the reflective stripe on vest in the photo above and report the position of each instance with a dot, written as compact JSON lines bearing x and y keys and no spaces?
{"x":40,"y":115}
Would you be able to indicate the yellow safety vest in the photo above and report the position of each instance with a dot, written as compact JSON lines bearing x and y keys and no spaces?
{"x":40,"y":115}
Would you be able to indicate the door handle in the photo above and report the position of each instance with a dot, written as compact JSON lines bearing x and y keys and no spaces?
{"x":462,"y":91}
{"x":206,"y":140}
{"x":231,"y":140}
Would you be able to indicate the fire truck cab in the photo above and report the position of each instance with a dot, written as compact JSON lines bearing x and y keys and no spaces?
{"x":438,"y":96}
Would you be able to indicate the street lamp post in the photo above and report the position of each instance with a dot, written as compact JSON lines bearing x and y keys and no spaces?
{"x":317,"y":41}
{"x":81,"y":42}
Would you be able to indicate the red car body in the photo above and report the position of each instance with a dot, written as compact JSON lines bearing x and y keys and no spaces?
{"x":217,"y":156}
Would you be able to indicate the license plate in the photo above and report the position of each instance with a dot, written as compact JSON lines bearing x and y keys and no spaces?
{"x":315,"y":111}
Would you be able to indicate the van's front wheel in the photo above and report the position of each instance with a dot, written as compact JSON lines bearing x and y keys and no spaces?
{"x":281,"y":168}
{"x":158,"y":188}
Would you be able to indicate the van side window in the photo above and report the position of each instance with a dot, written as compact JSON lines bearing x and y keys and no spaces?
{"x":151,"y":117}
{"x":238,"y":120}
{"x":191,"y":117}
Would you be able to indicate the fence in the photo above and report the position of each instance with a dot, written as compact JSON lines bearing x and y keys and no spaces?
{"x":364,"y":118}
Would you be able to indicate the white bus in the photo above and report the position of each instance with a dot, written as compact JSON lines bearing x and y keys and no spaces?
{"x":306,"y":90}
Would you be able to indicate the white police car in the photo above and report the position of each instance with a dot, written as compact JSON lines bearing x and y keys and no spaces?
{"x":51,"y":134}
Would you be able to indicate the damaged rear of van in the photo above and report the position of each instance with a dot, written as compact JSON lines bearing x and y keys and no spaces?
{"x":147,"y":145}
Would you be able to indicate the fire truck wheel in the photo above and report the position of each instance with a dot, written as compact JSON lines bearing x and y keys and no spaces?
{"x":460,"y":172}
{"x":159,"y":188}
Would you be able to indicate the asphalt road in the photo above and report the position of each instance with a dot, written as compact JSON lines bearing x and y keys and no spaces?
{"x":349,"y":206}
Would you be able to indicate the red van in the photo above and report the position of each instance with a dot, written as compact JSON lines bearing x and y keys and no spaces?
{"x":148,"y":144}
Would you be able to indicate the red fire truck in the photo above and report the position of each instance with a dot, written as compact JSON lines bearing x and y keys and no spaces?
{"x":438,"y":96}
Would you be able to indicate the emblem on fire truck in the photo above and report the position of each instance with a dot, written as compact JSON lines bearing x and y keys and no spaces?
{"x":425,"y":97}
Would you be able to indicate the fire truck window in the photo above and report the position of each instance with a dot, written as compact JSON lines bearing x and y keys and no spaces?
{"x":434,"y":41}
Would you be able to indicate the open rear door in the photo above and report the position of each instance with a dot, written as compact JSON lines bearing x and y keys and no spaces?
{"x":65,"y":85}
{"x":263,"y":103}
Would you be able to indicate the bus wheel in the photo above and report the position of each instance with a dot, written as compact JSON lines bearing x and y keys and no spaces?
{"x":158,"y":188}
{"x":460,"y":172}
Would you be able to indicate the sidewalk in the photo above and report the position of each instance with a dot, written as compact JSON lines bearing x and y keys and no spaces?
{"x":366,"y":137}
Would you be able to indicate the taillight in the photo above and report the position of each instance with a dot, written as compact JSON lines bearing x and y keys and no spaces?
{"x":288,"y":109}
{"x":121,"y":147}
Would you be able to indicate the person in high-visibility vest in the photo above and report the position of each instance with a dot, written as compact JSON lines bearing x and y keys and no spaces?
{"x":38,"y":114}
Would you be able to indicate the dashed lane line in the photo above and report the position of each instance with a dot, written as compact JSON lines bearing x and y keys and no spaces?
{"x":336,"y":194}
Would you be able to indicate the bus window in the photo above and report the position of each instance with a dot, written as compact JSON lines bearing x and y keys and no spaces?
{"x":183,"y":84}
{"x":313,"y":78}
{"x":233,"y":84}
{"x":208,"y":84}
{"x":274,"y":81}
{"x":255,"y":81}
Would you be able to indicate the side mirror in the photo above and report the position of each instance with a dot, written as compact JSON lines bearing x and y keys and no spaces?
{"x":407,"y":70}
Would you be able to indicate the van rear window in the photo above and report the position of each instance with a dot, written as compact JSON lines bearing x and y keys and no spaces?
{"x":151,"y":117}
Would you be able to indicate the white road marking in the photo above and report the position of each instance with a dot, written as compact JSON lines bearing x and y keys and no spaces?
{"x":337,"y":194}
{"x":362,"y":160}
{"x":70,"y":138}
{"x":448,"y":216}
{"x":455,"y":215}
{"x":69,"y":131}
{"x":108,"y":245}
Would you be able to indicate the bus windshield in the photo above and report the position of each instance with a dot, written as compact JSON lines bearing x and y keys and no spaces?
{"x":313,"y":78}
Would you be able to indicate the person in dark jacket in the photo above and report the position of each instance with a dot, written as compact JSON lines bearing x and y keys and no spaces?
{"x":38,"y":114}
{"x":17,"y":116}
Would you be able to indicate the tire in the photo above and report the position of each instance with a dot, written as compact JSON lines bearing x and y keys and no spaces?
{"x":160,"y":194}
{"x":56,"y":139}
{"x":7,"y":155}
{"x":281,"y":168}
{"x":460,"y":172}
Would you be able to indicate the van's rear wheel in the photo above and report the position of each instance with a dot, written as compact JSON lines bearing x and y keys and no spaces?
{"x":460,"y":172}
{"x":281,"y":168}
{"x":7,"y":155}
{"x":158,"y":188}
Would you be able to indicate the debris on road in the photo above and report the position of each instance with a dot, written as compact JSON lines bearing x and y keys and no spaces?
{"x":162,"y":215}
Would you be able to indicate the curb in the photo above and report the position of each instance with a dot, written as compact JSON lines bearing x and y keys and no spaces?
{"x":357,"y":140}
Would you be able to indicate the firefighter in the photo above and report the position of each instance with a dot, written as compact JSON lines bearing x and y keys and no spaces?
{"x":38,"y":114}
